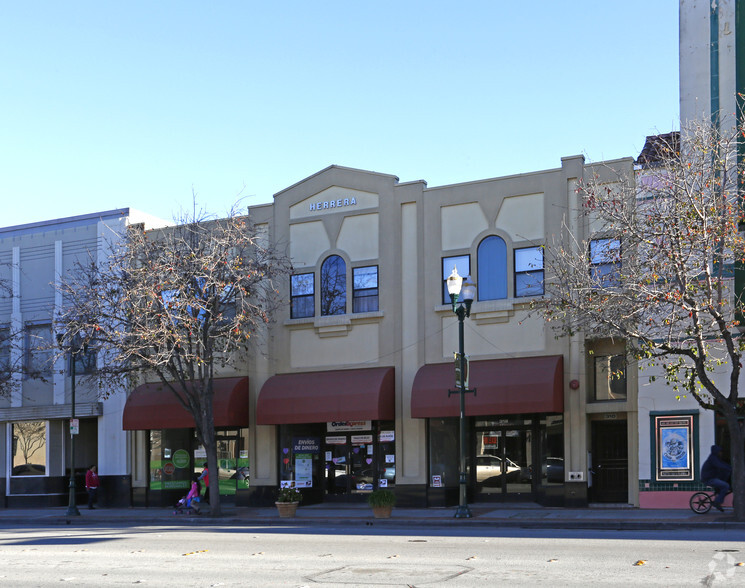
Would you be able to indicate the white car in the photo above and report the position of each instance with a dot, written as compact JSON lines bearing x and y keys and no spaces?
{"x":489,"y":470}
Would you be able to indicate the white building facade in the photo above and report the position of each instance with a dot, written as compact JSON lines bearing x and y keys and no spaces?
{"x":35,"y":431}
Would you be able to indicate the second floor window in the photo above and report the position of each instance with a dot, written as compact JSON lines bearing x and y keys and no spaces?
{"x":610,"y":377}
{"x":85,"y":361}
{"x":39,"y":350}
{"x":365,"y":289}
{"x":302,"y":295}
{"x":492,"y":267}
{"x":4,"y":352}
{"x":333,"y":286}
{"x":529,"y":271}
{"x":605,"y":262}
{"x":462,"y":263}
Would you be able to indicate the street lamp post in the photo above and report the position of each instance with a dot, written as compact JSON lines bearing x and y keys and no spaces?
{"x":462,"y":293}
{"x":74,"y":348}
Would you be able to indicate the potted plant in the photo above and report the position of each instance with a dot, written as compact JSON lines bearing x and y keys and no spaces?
{"x":287,"y":501}
{"x":382,"y":502}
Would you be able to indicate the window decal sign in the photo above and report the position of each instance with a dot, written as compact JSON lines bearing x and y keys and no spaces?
{"x":310,"y":445}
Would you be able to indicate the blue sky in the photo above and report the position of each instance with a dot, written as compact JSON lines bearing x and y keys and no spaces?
{"x":132,"y":104}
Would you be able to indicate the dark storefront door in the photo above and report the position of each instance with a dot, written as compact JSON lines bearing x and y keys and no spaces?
{"x":351,"y":468}
{"x":610,"y":462}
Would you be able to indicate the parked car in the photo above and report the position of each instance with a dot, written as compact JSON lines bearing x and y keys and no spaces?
{"x":489,"y":470}
{"x":555,"y":469}
{"x":552,"y":471}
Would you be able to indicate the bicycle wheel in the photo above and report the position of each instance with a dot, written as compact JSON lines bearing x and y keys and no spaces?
{"x":700,"y":503}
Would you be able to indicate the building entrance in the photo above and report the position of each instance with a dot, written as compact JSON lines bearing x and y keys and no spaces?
{"x":351,"y":467}
{"x":610,"y":462}
{"x":338,"y":461}
{"x":504,"y":457}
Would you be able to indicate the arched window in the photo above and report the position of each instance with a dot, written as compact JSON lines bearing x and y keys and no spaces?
{"x":492,"y":268}
{"x":333,"y":286}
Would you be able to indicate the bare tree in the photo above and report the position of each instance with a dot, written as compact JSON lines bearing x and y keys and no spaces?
{"x":178,"y":304}
{"x":29,"y":437}
{"x":656,"y":269}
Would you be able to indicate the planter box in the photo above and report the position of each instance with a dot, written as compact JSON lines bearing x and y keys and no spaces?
{"x":287,"y":510}
{"x":382,"y":512}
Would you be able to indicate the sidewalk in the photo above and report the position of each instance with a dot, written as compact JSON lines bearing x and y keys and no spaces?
{"x":494,"y":515}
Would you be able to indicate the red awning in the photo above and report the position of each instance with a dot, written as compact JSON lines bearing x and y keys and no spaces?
{"x":153,"y":406}
{"x":504,"y":386}
{"x":322,"y":397}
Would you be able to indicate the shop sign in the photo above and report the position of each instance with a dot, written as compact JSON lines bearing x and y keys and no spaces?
{"x":341,"y":426}
{"x":491,"y":441}
{"x":362,"y":439}
{"x":181,"y":458}
{"x":310,"y":445}
{"x":169,"y":468}
{"x":175,"y":484}
{"x":329,"y":204}
{"x":339,"y":440}
{"x":437,"y":481}
{"x":387,"y":436}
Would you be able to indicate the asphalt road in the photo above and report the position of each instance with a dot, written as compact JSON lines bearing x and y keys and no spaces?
{"x":368,"y":556}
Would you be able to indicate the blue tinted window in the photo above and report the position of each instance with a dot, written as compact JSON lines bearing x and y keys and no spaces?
{"x":492,"y":266}
{"x":605,"y":262}
{"x":365,"y":289}
{"x":302,"y":296}
{"x":460,"y":262}
{"x":529,"y":271}
{"x":333,"y":286}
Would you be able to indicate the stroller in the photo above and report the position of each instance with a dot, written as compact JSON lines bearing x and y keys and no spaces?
{"x":189,"y":504}
{"x":185,"y":506}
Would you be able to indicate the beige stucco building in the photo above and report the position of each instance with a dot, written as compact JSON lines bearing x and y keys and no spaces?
{"x":352,"y":392}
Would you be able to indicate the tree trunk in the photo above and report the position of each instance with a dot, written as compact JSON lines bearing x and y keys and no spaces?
{"x":210,"y":446}
{"x":737,"y":460}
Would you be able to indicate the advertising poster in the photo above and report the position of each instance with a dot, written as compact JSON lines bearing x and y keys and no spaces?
{"x":303,"y":471}
{"x":674,"y":447}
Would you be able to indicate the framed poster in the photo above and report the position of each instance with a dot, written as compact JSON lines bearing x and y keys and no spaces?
{"x":674,"y":448}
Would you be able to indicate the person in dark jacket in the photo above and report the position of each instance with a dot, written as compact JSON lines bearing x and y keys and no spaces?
{"x":716,"y":472}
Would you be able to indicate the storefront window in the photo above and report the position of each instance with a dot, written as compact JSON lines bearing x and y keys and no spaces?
{"x":339,"y":459}
{"x":170,"y":459}
{"x":386,"y":453}
{"x":300,"y":452}
{"x":29,"y":448}
{"x":443,"y":454}
{"x":552,"y":449}
{"x":232,"y":459}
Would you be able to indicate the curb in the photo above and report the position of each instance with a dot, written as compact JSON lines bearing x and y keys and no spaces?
{"x":299,"y":521}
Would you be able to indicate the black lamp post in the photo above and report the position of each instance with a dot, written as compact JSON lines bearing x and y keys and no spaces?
{"x":462,"y":293}
{"x":74,"y":348}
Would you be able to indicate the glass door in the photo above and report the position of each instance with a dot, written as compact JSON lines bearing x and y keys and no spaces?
{"x":337,"y":464}
{"x":362,"y":463}
{"x":350,"y":464}
{"x":504,"y":458}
